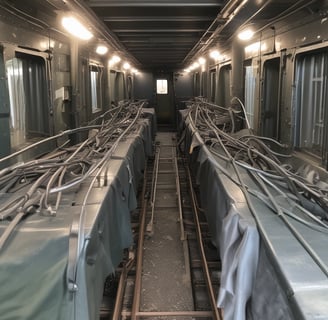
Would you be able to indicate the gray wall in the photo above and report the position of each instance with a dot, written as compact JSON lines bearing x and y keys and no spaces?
{"x":144,"y":87}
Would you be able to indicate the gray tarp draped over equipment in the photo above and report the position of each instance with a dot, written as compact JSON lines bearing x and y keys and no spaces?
{"x":266,"y":272}
{"x":34,"y":260}
{"x":232,"y":228}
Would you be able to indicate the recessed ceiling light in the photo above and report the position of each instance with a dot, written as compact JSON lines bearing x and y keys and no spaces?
{"x":101,"y":49}
{"x":246,"y":34}
{"x":75,"y":27}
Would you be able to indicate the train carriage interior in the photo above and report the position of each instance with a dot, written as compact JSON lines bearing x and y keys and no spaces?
{"x":163,"y":159}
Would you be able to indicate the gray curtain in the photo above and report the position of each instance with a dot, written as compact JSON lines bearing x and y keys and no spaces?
{"x":35,"y":87}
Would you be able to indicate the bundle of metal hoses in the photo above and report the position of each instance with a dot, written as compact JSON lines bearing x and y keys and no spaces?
{"x":38,"y":185}
{"x":297,"y":193}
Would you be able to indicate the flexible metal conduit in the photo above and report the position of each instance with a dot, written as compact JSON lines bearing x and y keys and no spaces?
{"x":75,"y":248}
{"x":33,"y":184}
{"x":268,"y":170}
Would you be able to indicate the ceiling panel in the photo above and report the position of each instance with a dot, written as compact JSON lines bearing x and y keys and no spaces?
{"x":157,"y":33}
{"x":171,"y":33}
{"x":166,"y":34}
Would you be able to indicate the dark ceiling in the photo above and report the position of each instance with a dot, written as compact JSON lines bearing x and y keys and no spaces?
{"x":170,"y":33}
{"x":157,"y":32}
{"x":167,"y":34}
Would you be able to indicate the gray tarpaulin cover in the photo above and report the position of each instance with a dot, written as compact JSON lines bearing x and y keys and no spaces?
{"x":266,"y":272}
{"x":234,"y":233}
{"x":34,"y":261}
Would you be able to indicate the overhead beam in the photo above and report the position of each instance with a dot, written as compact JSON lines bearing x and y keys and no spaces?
{"x":160,"y":52}
{"x":159,"y":58}
{"x":177,"y":41}
{"x":151,"y":37}
{"x":161,"y":47}
{"x":157,"y":30}
{"x":159,"y":61}
{"x":152,"y":3}
{"x":157,"y":18}
{"x":166,"y":53}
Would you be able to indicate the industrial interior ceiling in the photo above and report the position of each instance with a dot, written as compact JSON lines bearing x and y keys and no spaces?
{"x":167,"y":33}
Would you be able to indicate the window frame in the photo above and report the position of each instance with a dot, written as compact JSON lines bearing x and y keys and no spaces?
{"x":213,"y":82}
{"x":33,"y":97}
{"x":96,"y":87}
{"x":224,"y":85}
{"x":304,"y":88}
{"x":250,"y":92}
{"x":162,"y":86}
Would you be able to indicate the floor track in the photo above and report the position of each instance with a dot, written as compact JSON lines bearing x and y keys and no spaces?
{"x":164,"y":276}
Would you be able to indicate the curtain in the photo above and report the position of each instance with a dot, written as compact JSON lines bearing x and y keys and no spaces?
{"x":35,"y":87}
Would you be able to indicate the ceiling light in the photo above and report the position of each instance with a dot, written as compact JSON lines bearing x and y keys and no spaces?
{"x":201,"y":61}
{"x":246,"y":34}
{"x":115,"y":59}
{"x":101,"y":49}
{"x":195,"y":65}
{"x":74,"y":27}
{"x":126,"y":66}
{"x":215,"y":54}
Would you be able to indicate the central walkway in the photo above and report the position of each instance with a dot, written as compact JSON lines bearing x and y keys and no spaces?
{"x":166,"y":284}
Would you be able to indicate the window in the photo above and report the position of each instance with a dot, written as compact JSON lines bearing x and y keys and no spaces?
{"x":250,"y":94}
{"x":96,"y":91}
{"x":196,"y":84}
{"x":270,"y":99}
{"x":84,"y":82}
{"x":4,"y":111}
{"x":224,"y":86}
{"x":161,"y":86}
{"x":129,"y":87}
{"x":28,"y":95}
{"x":203,"y":84}
{"x":310,"y":102}
{"x":112,"y":95}
{"x":119,"y":86}
{"x":17,"y":101}
{"x":212,"y":85}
